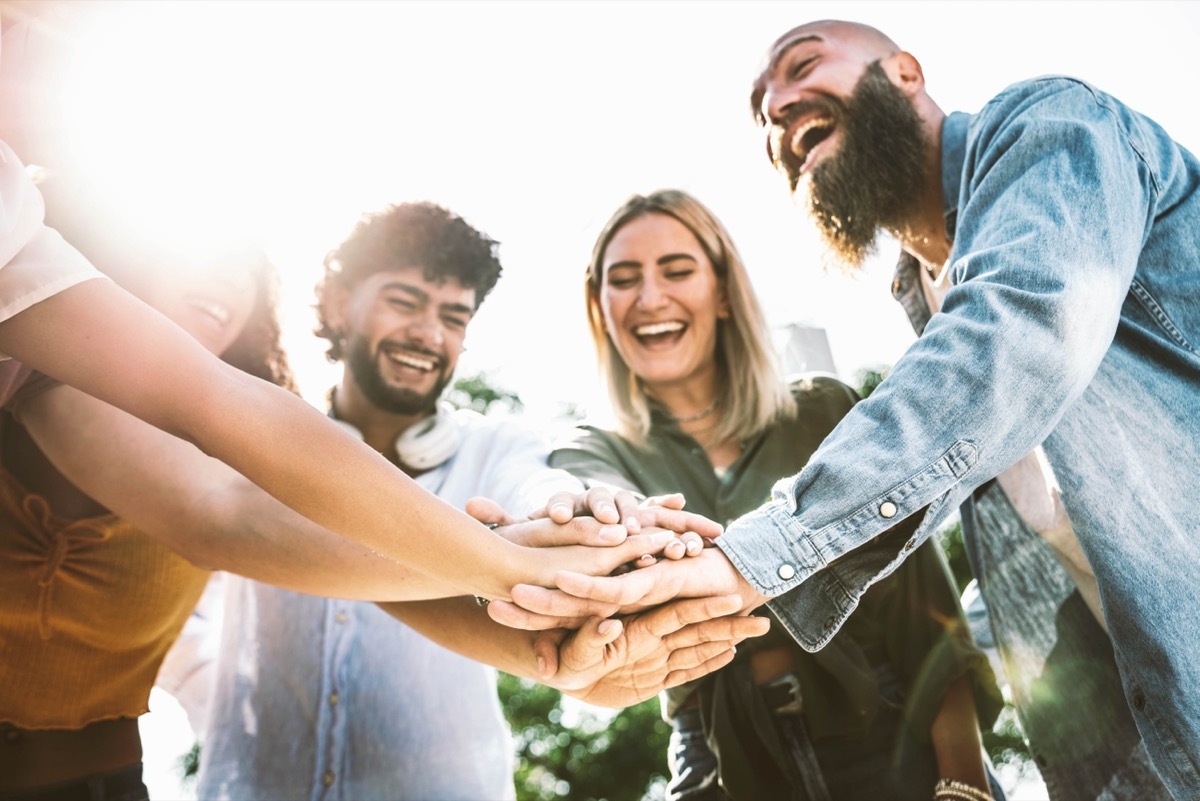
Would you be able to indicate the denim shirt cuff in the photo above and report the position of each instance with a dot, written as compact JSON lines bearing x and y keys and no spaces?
{"x":770,"y":549}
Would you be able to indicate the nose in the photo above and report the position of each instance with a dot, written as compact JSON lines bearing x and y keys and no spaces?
{"x":427,"y":330}
{"x":778,"y":100}
{"x":651,"y":295}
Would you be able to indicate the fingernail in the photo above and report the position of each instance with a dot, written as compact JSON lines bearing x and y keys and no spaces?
{"x":646,"y":557}
{"x":560,"y":510}
{"x":541,"y":666}
{"x":632,"y":525}
{"x":605,"y":627}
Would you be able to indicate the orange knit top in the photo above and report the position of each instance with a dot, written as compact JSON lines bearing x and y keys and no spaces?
{"x":88,"y":609}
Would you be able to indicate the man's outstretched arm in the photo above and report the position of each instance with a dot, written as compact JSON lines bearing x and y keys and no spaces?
{"x":614,"y":662}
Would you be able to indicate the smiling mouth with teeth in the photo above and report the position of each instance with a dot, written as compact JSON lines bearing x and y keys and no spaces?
{"x":654,"y":332}
{"x":807,"y":136}
{"x":424,"y":364}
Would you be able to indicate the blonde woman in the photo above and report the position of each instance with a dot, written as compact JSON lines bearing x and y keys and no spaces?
{"x":895,"y":701}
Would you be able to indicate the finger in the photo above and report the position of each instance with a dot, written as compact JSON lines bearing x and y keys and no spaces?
{"x":731,"y":628}
{"x":677,"y":677}
{"x":545,"y":651}
{"x":693,"y":543}
{"x":562,"y":506}
{"x":627,"y":509}
{"x":696,"y":655}
{"x":679,"y":521}
{"x":675,"y":549}
{"x":616,"y":591}
{"x":558,"y":605}
{"x":547,"y":533}
{"x":586,"y":648}
{"x":488,"y":512}
{"x":645,"y":560}
{"x":650,"y":543}
{"x":677,"y":615}
{"x":599,"y":501}
{"x":672,"y":500}
{"x":516,"y":617}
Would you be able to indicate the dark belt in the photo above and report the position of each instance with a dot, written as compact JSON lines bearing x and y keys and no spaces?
{"x":782,"y":695}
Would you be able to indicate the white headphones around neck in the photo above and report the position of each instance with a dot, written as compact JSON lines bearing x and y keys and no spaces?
{"x":425,"y":444}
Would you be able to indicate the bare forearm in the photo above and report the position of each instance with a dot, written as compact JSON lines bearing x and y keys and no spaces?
{"x":956,"y":739}
{"x":202,"y":508}
{"x":100,"y":339}
{"x":264,"y":540}
{"x":464,"y":627}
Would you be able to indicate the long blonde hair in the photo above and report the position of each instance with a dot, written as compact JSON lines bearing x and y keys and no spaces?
{"x":750,"y":387}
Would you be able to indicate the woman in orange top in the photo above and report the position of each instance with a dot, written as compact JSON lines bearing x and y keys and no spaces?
{"x":108,"y":526}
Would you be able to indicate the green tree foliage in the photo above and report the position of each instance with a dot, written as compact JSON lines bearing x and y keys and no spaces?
{"x":479,"y":393}
{"x":571,"y":751}
{"x":869,"y":378}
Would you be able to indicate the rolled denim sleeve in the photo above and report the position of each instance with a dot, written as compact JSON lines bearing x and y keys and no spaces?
{"x":1052,"y":200}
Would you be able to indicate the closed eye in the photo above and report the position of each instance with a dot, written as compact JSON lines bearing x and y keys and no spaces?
{"x":801,"y":68}
{"x":401,"y":302}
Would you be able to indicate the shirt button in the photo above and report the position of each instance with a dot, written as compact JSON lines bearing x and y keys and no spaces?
{"x":327,"y":779}
{"x":333,"y":698}
{"x":341,"y":617}
{"x":786,"y":572}
{"x":887,"y":509}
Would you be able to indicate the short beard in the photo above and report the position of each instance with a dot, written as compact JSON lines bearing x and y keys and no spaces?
{"x":871,"y":183}
{"x":364,"y":367}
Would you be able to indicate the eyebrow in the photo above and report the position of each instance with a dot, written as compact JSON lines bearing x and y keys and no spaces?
{"x":423,"y":296}
{"x":661,"y":261}
{"x":773,"y":64}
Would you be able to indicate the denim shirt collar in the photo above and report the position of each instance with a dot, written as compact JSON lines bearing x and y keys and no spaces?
{"x":906,"y":285}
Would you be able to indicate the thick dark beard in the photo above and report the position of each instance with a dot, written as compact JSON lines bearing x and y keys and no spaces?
{"x":365,"y":370}
{"x":870,"y":184}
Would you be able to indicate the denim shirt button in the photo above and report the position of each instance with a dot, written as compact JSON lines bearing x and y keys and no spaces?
{"x":787,"y":572}
{"x":887,"y":509}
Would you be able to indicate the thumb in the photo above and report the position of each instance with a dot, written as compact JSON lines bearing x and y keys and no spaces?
{"x":488,"y":512}
{"x":586,"y":648}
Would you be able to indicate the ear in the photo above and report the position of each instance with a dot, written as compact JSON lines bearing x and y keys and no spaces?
{"x":335,"y":302}
{"x":905,"y":72}
{"x":723,"y":312}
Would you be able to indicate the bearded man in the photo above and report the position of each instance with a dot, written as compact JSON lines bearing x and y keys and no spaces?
{"x":1056,"y":232}
{"x":328,"y":698}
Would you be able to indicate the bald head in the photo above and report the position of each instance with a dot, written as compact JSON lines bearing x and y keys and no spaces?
{"x":849,"y":37}
{"x":852,"y":41}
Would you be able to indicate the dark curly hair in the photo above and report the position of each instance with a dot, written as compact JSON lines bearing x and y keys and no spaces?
{"x":109,"y":239}
{"x":403,"y":235}
{"x":258,"y":349}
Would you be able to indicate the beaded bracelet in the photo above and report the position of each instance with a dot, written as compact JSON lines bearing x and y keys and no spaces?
{"x":950,"y":790}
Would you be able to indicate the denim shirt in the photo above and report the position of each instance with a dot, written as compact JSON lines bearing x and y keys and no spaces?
{"x":333,"y":700}
{"x":1072,"y":322}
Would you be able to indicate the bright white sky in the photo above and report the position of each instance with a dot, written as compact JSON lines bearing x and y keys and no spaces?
{"x":535,"y":120}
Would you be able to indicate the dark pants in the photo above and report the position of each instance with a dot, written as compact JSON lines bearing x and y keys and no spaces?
{"x":869,"y":768}
{"x":122,"y":785}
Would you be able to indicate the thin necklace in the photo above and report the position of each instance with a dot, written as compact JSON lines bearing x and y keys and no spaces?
{"x":698,"y":415}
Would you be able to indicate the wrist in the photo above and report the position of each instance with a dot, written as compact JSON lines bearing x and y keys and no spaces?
{"x":951,"y":790}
